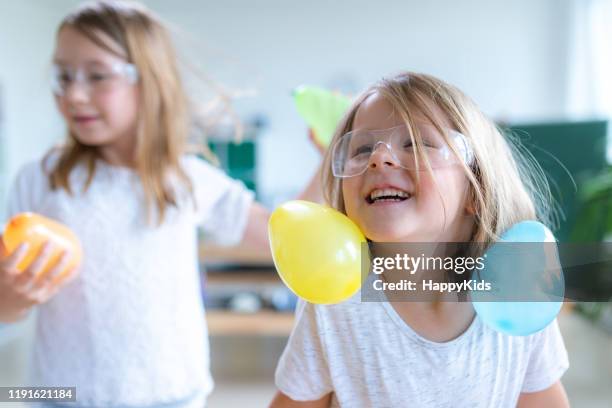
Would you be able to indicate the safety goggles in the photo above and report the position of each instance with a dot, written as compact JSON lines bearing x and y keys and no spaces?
{"x":94,"y":79}
{"x":352,"y":151}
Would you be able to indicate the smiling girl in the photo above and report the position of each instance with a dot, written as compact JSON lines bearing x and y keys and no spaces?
{"x":416,"y":161}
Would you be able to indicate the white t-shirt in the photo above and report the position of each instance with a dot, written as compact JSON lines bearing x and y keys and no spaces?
{"x":368,"y":356}
{"x":130,"y":330}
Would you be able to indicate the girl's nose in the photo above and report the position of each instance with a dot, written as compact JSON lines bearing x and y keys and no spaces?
{"x":77,"y":92}
{"x":382,"y":156}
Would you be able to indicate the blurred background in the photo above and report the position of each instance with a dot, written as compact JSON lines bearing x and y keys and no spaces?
{"x":542,"y":69}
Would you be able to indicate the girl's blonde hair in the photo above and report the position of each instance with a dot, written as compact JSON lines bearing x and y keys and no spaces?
{"x":505,"y":185}
{"x":163,"y":124}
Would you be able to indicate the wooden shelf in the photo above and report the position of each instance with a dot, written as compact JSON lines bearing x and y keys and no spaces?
{"x":263,"y":323}
{"x":240,"y":277}
{"x":238,"y":266}
{"x":235,"y":255}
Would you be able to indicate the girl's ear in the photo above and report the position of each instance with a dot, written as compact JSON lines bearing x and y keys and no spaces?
{"x":470,"y":206}
{"x":470,"y":209}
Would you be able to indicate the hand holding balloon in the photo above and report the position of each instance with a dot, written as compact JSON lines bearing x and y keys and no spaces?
{"x":36,"y":230}
{"x":322,"y":110}
{"x":317,"y":144}
{"x":38,"y":257}
{"x":317,"y":251}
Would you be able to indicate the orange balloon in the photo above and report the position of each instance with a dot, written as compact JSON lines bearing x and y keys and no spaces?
{"x":36,"y":230}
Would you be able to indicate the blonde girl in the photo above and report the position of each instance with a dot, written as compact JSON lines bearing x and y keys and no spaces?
{"x":129,"y":329}
{"x":415,"y":160}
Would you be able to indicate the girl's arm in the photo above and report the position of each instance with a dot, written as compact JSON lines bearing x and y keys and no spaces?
{"x":313,"y":191}
{"x":283,"y":401}
{"x":256,"y":232}
{"x":554,"y":397}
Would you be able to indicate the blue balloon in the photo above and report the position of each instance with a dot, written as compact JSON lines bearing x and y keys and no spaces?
{"x":528,"y":231}
{"x":527,"y":285}
{"x":517,"y":318}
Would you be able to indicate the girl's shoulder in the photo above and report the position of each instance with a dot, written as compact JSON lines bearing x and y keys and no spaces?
{"x":205,"y":175}
{"x":39,"y":168}
{"x":195,"y":165}
{"x":38,"y":171}
{"x":31,"y":185}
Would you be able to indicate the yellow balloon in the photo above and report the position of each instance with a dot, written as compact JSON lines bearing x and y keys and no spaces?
{"x":317,"y":251}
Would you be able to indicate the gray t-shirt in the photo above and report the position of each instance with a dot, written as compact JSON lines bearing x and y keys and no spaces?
{"x":368,"y":356}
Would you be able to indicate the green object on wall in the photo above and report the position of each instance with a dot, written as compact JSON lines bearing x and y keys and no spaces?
{"x":237,"y":159}
{"x":580,"y":147}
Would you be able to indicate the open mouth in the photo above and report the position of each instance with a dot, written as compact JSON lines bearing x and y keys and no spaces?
{"x":387,"y":195}
{"x":85,"y":119}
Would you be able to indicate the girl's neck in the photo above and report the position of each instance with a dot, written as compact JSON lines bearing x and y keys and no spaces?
{"x":116,"y":155}
{"x":436,"y":321}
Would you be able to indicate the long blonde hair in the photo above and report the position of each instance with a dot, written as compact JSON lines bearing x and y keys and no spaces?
{"x":505,"y":185}
{"x":163,"y":124}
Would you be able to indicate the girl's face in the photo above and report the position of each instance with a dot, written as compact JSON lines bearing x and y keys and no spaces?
{"x":97,"y":100}
{"x":434,"y":210}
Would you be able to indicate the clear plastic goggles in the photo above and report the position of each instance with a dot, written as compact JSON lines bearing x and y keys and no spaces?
{"x":352,"y":151}
{"x":93,"y":79}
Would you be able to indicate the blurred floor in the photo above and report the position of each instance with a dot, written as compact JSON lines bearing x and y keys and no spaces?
{"x":589,"y":379}
{"x":254,"y":393}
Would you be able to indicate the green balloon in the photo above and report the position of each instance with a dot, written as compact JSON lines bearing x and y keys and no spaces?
{"x":321,"y":109}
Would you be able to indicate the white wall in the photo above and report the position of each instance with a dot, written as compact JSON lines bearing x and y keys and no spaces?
{"x":29,"y":123}
{"x":510,"y":56}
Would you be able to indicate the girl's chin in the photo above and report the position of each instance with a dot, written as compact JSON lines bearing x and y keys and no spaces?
{"x":392,"y":236}
{"x":90,"y":140}
{"x":409,"y":231}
